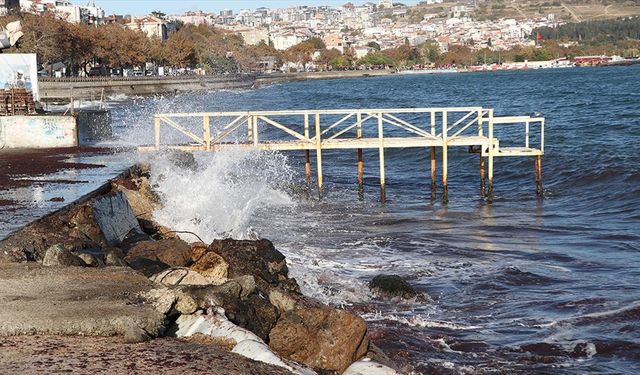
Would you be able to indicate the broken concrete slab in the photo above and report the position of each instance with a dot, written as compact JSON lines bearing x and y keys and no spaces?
{"x":114,"y":216}
{"x":75,"y":301}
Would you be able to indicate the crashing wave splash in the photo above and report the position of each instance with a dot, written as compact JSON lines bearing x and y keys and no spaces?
{"x":219,"y":195}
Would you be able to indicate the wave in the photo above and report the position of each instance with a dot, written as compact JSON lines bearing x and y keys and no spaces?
{"x":221,"y":194}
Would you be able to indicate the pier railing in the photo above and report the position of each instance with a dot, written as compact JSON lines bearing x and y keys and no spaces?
{"x":319,"y":130}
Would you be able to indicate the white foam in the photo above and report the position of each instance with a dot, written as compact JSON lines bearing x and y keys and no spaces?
{"x":418,"y":321}
{"x":220,"y":198}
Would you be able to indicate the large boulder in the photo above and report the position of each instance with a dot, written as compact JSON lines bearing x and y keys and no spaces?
{"x":320,"y":337}
{"x":57,"y":255}
{"x":255,"y":314}
{"x":147,"y":267}
{"x":174,"y":252}
{"x":392,"y":286}
{"x":257,"y":258}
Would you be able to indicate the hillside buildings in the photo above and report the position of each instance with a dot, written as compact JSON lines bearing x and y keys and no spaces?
{"x":89,"y":14}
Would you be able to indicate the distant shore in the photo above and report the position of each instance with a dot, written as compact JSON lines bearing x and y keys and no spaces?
{"x":62,"y":89}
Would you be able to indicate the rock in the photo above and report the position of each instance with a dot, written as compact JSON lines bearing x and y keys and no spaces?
{"x":257,"y":258}
{"x":83,"y":223}
{"x":135,"y":335}
{"x":390,"y":286}
{"x":147,"y":267}
{"x":320,"y":337}
{"x":282,"y":300}
{"x":248,"y":284}
{"x":166,"y":300}
{"x":139,"y":195}
{"x":255,"y":313}
{"x":57,"y":255}
{"x":212,"y":266}
{"x":91,"y":260}
{"x":173,"y":252}
{"x":113,"y":259}
{"x":186,"y":304}
{"x":198,"y":249}
{"x":132,"y":238}
{"x":115,"y":218}
{"x":214,"y":295}
{"x":179,"y":276}
{"x":162,"y":299}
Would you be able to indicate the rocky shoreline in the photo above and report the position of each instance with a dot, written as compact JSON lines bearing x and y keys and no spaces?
{"x":100,"y":274}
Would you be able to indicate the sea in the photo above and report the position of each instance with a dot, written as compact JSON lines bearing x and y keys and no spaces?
{"x":525,"y":284}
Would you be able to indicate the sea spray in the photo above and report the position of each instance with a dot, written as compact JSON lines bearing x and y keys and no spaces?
{"x":222,"y":193}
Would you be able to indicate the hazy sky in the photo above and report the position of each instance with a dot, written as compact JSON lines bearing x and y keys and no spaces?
{"x":139,"y":7}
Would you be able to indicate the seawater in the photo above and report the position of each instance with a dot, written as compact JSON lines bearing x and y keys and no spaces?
{"x":521,"y":285}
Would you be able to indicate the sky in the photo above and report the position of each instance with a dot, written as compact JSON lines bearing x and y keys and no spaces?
{"x":141,"y":7}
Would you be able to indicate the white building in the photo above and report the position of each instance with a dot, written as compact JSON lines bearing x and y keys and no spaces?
{"x":152,"y":26}
{"x":385,"y":3}
{"x":90,"y":14}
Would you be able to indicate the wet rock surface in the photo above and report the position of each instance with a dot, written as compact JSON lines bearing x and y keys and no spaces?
{"x":257,"y":258}
{"x":390,"y":286}
{"x":320,"y":337}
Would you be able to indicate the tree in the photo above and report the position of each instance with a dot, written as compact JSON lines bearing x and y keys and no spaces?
{"x":430,"y":51}
{"x":457,"y":55}
{"x":180,"y":50}
{"x":327,"y":56}
{"x":377,"y":59}
{"x":374,"y":45}
{"x":301,"y":53}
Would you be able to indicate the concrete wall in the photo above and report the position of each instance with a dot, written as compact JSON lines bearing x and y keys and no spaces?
{"x":37,"y":132}
{"x":93,"y":126}
{"x":279,"y":78}
{"x":92,"y":88}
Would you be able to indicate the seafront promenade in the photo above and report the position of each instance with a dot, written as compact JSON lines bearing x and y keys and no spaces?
{"x":62,"y":89}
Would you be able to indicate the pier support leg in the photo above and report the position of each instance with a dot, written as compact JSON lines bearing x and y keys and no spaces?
{"x":307,"y":168}
{"x":538,"y":165}
{"x":491,"y":151}
{"x":360,"y":174}
{"x":157,"y":131}
{"x":445,"y":185}
{"x":383,"y":191}
{"x":360,"y":163}
{"x":434,"y":187}
{"x":319,"y":154}
{"x":483,"y":180}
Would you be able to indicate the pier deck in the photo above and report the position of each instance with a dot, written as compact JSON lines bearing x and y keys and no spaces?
{"x":358,"y":129}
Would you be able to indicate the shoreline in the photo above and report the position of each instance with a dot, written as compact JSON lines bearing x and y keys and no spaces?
{"x":62,"y":89}
{"x":79,"y":88}
{"x":152,"y":289}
